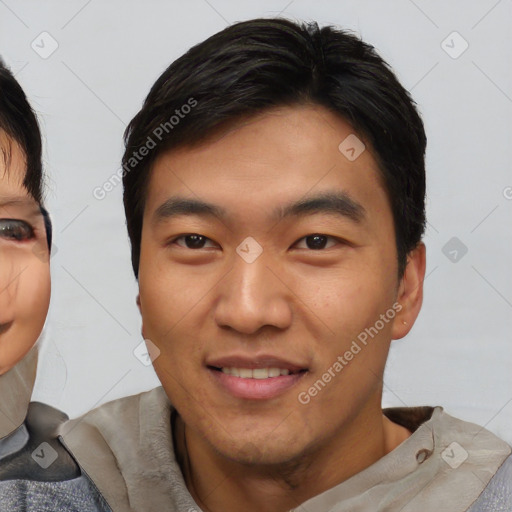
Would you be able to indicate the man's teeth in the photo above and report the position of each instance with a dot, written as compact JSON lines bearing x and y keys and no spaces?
{"x":256,"y":373}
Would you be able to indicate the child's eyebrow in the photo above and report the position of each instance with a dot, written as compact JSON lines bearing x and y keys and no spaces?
{"x":331,"y":203}
{"x":27,"y":203}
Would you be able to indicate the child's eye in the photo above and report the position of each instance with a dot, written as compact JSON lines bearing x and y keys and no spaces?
{"x":18,"y":230}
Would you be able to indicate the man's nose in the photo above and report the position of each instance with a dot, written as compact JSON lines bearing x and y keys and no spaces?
{"x":253,"y":295}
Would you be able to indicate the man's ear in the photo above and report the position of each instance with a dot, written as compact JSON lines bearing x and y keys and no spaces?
{"x":410,"y":292}
{"x":137,"y":300}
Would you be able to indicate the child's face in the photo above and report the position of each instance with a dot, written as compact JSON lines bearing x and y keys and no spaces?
{"x":24,"y":261}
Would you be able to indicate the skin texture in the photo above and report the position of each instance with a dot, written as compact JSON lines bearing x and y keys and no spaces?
{"x":24,"y":263}
{"x":294,"y":302}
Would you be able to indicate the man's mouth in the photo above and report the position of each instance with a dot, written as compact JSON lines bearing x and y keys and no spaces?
{"x":258,"y":378}
{"x":256,"y":373}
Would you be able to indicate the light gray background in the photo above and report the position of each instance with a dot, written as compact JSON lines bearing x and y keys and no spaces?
{"x":459,"y":353}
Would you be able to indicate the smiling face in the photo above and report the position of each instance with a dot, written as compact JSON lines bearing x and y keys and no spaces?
{"x":254,"y":297}
{"x":24,"y":261}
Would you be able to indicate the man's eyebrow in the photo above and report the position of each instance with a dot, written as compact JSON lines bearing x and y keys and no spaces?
{"x":331,"y":203}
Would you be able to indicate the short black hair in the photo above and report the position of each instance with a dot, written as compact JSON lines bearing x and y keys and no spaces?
{"x":19,"y":122}
{"x":256,"y":65}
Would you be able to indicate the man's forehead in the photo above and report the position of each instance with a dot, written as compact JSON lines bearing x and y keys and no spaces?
{"x":221,"y":175}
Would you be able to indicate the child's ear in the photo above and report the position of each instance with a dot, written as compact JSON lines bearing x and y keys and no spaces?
{"x":137,"y":300}
{"x":410,"y":292}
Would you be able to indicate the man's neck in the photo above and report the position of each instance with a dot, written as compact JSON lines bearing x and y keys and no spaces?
{"x":219,"y":484}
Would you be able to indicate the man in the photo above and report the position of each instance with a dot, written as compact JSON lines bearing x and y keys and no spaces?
{"x":274,"y":190}
{"x":37,"y":473}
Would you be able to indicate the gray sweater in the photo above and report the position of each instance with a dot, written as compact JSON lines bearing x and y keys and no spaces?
{"x":76,"y":495}
{"x":38,"y":473}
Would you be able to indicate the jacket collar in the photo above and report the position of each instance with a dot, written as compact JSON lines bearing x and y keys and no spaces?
{"x":15,"y":391}
{"x":126,"y":447}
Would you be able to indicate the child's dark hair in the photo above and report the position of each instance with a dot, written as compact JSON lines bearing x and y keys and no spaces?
{"x":19,"y":122}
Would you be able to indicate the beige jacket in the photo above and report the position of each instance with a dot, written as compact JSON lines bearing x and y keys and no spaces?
{"x":126,"y":447}
{"x":15,"y":391}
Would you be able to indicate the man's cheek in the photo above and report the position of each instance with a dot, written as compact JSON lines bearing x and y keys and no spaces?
{"x":176,"y":356}
{"x":158,"y":319}
{"x":186,"y":391}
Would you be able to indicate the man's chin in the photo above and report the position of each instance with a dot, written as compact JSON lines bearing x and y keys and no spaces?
{"x":260,"y":450}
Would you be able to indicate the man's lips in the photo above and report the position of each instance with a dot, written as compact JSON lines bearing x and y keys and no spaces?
{"x":261,"y":361}
{"x":255,"y":378}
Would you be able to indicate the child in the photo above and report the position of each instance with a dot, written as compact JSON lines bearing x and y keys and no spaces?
{"x":37,"y":472}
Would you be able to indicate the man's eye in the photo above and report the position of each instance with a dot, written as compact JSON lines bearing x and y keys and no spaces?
{"x":18,"y":230}
{"x":192,"y":241}
{"x":314,"y":241}
{"x":317,"y":241}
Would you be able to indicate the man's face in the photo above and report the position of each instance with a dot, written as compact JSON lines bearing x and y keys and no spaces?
{"x":24,"y":262}
{"x":220,"y":312}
